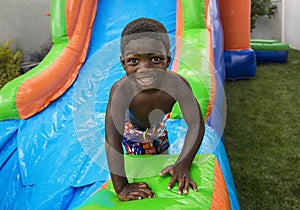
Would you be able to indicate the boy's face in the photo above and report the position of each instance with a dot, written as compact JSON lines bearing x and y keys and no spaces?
{"x":143,"y":57}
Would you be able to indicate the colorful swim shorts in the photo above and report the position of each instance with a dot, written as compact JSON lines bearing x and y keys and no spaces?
{"x":151,"y":141}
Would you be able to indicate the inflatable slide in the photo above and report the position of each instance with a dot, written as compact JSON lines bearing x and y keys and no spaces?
{"x":270,"y":51}
{"x":52,"y":153}
{"x":240,"y":60}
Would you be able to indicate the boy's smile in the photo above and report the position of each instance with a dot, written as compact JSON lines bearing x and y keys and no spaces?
{"x":149,"y":78}
{"x":143,"y":60}
{"x":145,"y":79}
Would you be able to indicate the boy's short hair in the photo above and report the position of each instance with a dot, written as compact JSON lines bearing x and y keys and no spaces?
{"x":145,"y":27}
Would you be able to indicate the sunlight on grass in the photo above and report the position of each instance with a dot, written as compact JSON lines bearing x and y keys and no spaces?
{"x":262,"y":136}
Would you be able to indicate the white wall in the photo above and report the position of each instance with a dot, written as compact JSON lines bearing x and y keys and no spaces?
{"x":267,"y":28}
{"x":284,"y":26}
{"x":25,"y":22}
{"x":291,"y":23}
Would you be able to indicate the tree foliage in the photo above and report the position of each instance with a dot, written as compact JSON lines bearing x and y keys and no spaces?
{"x":9,"y":63}
{"x":261,"y":8}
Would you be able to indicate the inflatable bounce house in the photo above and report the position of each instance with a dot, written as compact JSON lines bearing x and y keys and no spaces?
{"x":270,"y":51}
{"x":240,"y":59}
{"x":52,"y":146}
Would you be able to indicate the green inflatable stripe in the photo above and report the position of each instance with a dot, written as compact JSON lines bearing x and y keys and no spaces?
{"x":265,"y":41}
{"x":193,"y":14}
{"x":8,"y":109}
{"x":58,"y":25}
{"x":270,"y":46}
{"x":147,"y":168}
{"x":194,"y":61}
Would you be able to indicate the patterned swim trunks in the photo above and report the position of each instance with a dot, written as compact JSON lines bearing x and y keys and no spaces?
{"x":153,"y":140}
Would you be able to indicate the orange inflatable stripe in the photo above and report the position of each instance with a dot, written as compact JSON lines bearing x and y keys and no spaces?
{"x":179,"y":34}
{"x":220,"y":198}
{"x":38,"y":92}
{"x":105,"y":185}
{"x":211,"y":60}
{"x":72,"y":13}
{"x":235,"y":16}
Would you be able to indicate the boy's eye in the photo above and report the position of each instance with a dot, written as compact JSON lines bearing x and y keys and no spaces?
{"x":132,"y":61}
{"x":156,"y":59}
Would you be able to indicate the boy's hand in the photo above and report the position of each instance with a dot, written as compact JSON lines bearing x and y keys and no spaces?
{"x":135,"y":191}
{"x":182,"y":175}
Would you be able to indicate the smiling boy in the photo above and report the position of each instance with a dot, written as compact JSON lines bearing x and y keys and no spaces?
{"x":138,"y":105}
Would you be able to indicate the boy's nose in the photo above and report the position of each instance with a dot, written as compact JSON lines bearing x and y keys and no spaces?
{"x":145,"y":65}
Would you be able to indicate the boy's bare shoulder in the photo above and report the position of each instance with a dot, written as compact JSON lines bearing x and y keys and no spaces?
{"x":116,"y":85}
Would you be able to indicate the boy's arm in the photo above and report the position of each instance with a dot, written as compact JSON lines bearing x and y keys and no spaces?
{"x":114,"y":129}
{"x":114,"y":152}
{"x":192,"y":115}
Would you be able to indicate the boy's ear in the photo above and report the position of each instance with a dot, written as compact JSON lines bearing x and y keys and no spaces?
{"x":122,"y":60}
{"x":168,"y":59}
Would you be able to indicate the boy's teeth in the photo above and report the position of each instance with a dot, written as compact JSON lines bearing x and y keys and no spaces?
{"x":146,"y":79}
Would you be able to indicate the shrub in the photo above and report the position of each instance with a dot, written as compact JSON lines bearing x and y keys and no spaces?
{"x":9,"y":63}
{"x":261,"y":8}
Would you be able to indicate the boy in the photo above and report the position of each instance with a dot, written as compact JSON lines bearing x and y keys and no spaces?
{"x":141,"y":100}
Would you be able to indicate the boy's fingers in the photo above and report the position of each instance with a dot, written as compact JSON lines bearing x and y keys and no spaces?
{"x":164,"y":172}
{"x":172,"y":181}
{"x":140,"y":194}
{"x":194,"y":185}
{"x":149,"y":193}
{"x":186,"y":186}
{"x":136,"y":191}
{"x":181,"y":184}
{"x":134,"y":197}
{"x":143,"y":184}
{"x":144,"y":187}
{"x":167,"y":170}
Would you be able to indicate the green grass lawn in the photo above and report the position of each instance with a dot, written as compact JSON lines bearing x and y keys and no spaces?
{"x":262,"y":136}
